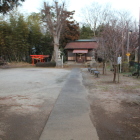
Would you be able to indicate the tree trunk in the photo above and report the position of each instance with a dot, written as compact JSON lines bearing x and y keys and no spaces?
{"x":115,"y":70}
{"x":136,"y":55}
{"x":103,"y":67}
{"x":111,"y":65}
{"x":56,"y":53}
{"x":56,"y":48}
{"x":118,"y":73}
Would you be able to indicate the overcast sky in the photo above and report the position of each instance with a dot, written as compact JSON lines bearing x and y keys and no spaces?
{"x":130,"y":5}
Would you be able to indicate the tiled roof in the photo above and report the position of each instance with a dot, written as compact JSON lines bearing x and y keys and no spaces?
{"x":81,"y":45}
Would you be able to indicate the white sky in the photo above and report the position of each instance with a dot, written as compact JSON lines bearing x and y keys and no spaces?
{"x":130,"y":5}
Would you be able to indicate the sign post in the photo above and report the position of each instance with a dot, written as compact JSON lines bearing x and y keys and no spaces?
{"x":119,"y":62}
{"x":128,"y":54}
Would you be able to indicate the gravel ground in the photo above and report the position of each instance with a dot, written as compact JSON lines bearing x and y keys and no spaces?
{"x":27,"y":96}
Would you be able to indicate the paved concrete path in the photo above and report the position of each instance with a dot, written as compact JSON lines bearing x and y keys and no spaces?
{"x":69,"y":119}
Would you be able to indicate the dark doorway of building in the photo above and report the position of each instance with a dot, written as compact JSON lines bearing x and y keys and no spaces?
{"x":80,"y":58}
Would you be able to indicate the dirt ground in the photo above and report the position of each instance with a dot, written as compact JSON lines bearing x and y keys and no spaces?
{"x":115,"y":107}
{"x":27,"y":96}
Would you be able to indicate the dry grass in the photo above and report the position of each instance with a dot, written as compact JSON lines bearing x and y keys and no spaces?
{"x":128,"y":88}
{"x":17,"y":65}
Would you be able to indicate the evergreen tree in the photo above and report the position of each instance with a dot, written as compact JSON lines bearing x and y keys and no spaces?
{"x":86,"y":32}
{"x":7,"y":5}
{"x":71,"y":33}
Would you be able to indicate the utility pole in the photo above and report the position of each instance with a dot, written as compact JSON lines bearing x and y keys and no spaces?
{"x":139,"y":46}
{"x":128,"y":36}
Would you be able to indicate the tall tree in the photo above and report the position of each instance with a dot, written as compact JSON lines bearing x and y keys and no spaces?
{"x":18,"y":37}
{"x":86,"y":32}
{"x":96,"y":14}
{"x":5,"y":31}
{"x":22,"y":36}
{"x":125,"y":24}
{"x":35,"y":34}
{"x":71,"y":33}
{"x":7,"y":5}
{"x":55,"y":18}
{"x":110,"y":44}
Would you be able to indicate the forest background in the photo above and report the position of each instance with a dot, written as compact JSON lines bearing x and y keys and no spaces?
{"x":23,"y":35}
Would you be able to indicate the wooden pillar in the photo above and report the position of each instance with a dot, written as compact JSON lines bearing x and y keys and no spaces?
{"x":32,"y":60}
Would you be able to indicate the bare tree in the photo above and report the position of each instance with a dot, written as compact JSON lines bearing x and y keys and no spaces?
{"x":133,"y":41}
{"x":112,"y":28}
{"x":55,"y":18}
{"x":125,"y":20}
{"x":102,"y":52}
{"x":110,"y":44}
{"x":96,"y":15}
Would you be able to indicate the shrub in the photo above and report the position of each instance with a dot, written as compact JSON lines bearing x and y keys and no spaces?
{"x":45,"y":64}
{"x":132,"y":69}
{"x":2,"y":62}
{"x":125,"y":67}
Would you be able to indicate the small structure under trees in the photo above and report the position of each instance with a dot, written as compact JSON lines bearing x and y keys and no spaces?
{"x":38,"y":58}
{"x":81,"y":50}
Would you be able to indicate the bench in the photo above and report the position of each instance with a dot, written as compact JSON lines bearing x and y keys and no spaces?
{"x":91,"y":69}
{"x":94,"y":71}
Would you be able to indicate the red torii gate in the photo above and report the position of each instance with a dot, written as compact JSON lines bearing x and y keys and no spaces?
{"x":38,"y":58}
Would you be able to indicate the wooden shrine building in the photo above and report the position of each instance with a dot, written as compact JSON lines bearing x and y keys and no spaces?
{"x":81,"y":50}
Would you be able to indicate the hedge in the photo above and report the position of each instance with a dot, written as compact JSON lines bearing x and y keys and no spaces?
{"x":45,"y":64}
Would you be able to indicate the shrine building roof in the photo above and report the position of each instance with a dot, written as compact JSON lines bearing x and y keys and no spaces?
{"x":82,"y":45}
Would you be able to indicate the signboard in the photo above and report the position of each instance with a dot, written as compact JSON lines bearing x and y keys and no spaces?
{"x":128,"y":54}
{"x":119,"y":60}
